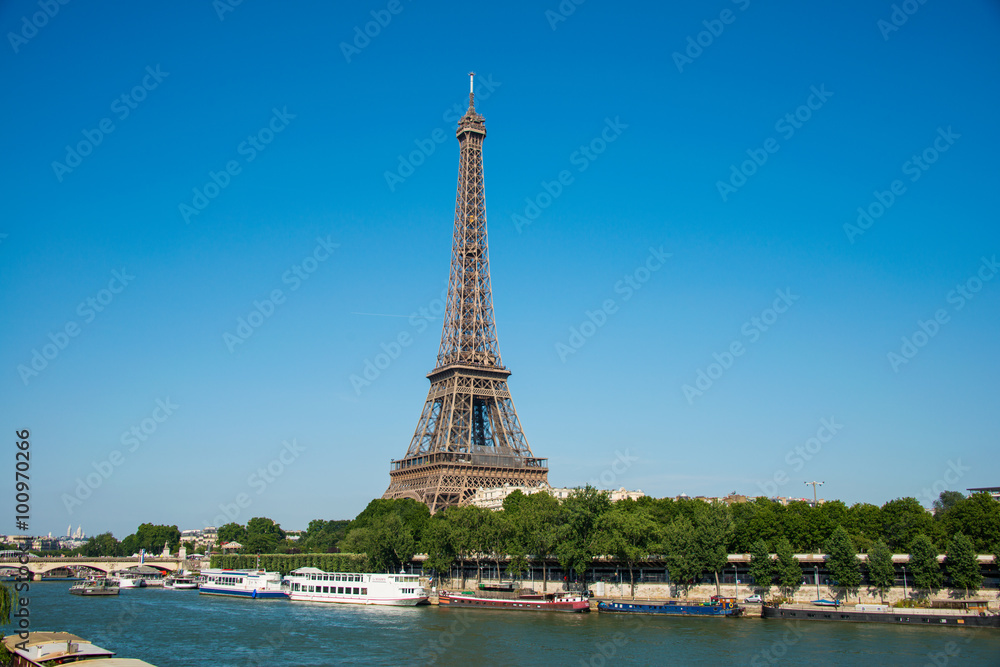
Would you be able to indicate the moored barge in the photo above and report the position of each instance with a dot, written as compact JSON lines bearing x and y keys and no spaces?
{"x":871,"y":613}
{"x":718,"y":607}
{"x":523,"y":600}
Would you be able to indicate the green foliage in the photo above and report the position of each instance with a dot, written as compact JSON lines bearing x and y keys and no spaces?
{"x":438,"y":544}
{"x":262,"y":536}
{"x":580,"y":514}
{"x":534,"y":529}
{"x":678,"y":550}
{"x":627,"y":532}
{"x":713,"y":528}
{"x":231,"y":532}
{"x":903,"y":520}
{"x":946,"y":501}
{"x":6,"y":603}
{"x":842,"y":560}
{"x":787,"y":567}
{"x":977,"y":517}
{"x":762,"y":566}
{"x":387,"y":541}
{"x":100,"y":546}
{"x":323,"y":536}
{"x":924,"y":565}
{"x":962,"y":565}
{"x":881,"y":573}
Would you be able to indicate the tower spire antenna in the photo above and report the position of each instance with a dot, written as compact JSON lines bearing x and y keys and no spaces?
{"x":471,"y":93}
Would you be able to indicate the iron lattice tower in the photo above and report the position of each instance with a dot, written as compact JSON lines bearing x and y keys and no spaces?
{"x":468,"y":435}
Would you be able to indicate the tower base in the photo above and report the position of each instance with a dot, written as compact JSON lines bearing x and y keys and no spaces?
{"x":448,"y":479}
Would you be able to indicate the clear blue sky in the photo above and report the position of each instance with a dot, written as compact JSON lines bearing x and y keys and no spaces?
{"x":334,"y":124}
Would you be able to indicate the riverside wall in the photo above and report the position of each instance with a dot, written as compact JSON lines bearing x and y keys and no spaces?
{"x":702,"y":592}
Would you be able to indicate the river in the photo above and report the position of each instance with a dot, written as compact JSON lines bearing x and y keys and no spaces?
{"x":183,"y":629}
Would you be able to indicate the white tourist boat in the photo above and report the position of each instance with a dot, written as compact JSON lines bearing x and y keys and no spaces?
{"x":180,"y":583}
{"x":310,"y":584}
{"x":254,"y":584}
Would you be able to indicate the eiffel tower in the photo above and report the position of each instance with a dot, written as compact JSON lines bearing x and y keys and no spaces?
{"x":468,"y":435}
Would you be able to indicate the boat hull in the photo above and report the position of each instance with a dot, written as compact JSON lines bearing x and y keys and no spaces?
{"x":667,"y":608}
{"x":576,"y":605}
{"x":330,"y":599}
{"x":899,"y":616}
{"x":252,"y":594}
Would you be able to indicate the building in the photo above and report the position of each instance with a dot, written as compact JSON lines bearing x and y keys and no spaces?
{"x":492,"y":498}
{"x":994,"y":491}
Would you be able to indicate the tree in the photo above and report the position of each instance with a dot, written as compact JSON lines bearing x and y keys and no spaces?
{"x":6,"y":603}
{"x":100,"y":546}
{"x":388,"y":543}
{"x":924,"y":564}
{"x":842,"y":560}
{"x":323,"y":536}
{"x":439,"y":545}
{"x":977,"y":517}
{"x":787,"y":568}
{"x":946,"y":501}
{"x":903,"y":519}
{"x":881,"y":572}
{"x":535,"y":521}
{"x":466,"y":522}
{"x":678,"y":549}
{"x":578,"y":530}
{"x":152,"y":537}
{"x":262,"y":536}
{"x":627,"y":531}
{"x":962,"y":564}
{"x":231,"y":532}
{"x":762,"y":566}
{"x":713,"y":529}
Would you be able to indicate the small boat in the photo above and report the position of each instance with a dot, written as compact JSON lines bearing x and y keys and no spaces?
{"x":41,"y":649}
{"x":131,"y":582}
{"x":826,"y":603}
{"x":95,"y":586}
{"x":718,"y":607}
{"x":310,"y":584}
{"x":521,"y":600}
{"x":180,"y":583}
{"x":253,"y":584}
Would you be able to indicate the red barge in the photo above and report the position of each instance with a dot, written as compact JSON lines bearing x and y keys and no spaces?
{"x":523,"y":600}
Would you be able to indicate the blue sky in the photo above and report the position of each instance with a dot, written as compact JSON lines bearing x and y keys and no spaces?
{"x":739,"y":138}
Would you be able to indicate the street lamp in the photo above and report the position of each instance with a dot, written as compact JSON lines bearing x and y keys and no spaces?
{"x":736,"y":580}
{"x":814,"y":485}
{"x":816,"y":578}
{"x":904,"y":582}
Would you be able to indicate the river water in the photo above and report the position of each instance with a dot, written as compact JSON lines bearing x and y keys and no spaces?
{"x":183,"y":629}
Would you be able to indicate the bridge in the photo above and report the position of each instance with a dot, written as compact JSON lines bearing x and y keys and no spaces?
{"x":39,"y":566}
